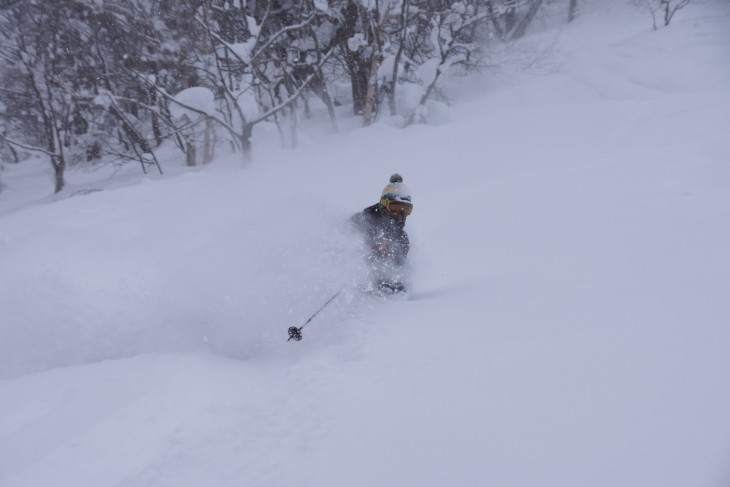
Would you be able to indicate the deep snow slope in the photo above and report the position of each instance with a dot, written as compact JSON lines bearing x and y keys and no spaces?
{"x":567,"y":324}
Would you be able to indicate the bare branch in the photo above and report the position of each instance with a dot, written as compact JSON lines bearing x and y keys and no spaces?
{"x":27,"y":147}
{"x":296,"y":93}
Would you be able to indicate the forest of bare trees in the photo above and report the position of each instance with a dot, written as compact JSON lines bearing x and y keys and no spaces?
{"x":104,"y":81}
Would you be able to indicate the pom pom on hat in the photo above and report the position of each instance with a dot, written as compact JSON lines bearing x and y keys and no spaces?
{"x":396,"y":190}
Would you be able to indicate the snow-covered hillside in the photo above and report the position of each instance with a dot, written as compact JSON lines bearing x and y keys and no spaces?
{"x":567,"y":323}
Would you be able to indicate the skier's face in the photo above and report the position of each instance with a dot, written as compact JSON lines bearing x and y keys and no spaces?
{"x":398,"y":211}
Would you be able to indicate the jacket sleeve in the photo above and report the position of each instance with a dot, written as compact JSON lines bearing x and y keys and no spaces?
{"x":356,"y":221}
{"x":362,"y":221}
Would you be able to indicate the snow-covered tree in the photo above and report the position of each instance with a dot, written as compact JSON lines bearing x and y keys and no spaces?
{"x":251,"y":68}
{"x":61,"y":57}
{"x":39,"y":102}
{"x":91,"y":81}
{"x":454,"y":29}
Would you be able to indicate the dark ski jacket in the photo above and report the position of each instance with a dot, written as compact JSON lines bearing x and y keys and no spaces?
{"x":384,"y":235}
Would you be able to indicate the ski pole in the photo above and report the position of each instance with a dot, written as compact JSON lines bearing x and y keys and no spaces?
{"x":296,"y":333}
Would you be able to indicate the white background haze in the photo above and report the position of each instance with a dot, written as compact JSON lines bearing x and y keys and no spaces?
{"x":568,"y":322}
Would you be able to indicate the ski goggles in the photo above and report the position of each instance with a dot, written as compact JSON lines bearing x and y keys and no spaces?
{"x":397,"y":207}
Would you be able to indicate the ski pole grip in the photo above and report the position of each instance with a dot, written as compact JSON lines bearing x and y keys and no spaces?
{"x":295,"y":333}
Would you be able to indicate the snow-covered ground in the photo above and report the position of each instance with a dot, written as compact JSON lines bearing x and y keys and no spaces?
{"x":568,"y":322}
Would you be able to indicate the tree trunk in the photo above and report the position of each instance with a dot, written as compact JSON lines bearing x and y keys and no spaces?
{"x":55,"y":148}
{"x":157,"y":132}
{"x":358,"y":63}
{"x":571,"y":10}
{"x":521,"y":27}
{"x":130,"y":130}
{"x":208,"y":143}
{"x":59,"y":167}
{"x":245,"y":140}
{"x":14,"y":153}
{"x":510,"y":16}
{"x":319,"y":87}
{"x":495,"y":21}
{"x":378,"y":24}
{"x":396,"y":62}
{"x":369,"y":107}
{"x":293,"y":120}
{"x":359,"y":71}
{"x":156,"y":129}
{"x":670,"y":10}
{"x":190,"y":152}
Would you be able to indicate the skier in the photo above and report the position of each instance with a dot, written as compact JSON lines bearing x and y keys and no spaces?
{"x":382,"y":226}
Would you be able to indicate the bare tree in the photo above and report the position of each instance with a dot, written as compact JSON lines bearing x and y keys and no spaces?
{"x":453,"y":42}
{"x":402,"y":34}
{"x":670,"y":8}
{"x":36,"y":87}
{"x":665,"y":8}
{"x":355,"y":40}
{"x":251,"y":73}
{"x":378,"y":18}
{"x":61,"y":56}
{"x":89,"y":81}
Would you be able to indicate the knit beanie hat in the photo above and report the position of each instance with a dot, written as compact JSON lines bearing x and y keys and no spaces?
{"x":396,"y":191}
